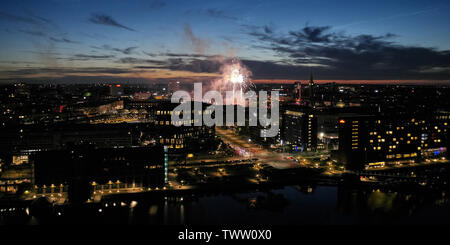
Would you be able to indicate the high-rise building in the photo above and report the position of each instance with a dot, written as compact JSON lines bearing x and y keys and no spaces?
{"x":311,"y":80}
{"x":300,"y":128}
{"x":376,"y":141}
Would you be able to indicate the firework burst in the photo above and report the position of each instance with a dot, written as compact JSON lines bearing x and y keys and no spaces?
{"x":235,"y":77}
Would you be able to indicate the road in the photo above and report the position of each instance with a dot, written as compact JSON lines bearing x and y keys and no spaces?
{"x":247,"y":149}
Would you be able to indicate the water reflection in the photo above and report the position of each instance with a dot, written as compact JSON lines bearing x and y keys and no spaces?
{"x":306,"y":204}
{"x":374,"y":206}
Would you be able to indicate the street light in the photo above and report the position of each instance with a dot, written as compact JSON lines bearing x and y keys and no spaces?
{"x":118,"y":185}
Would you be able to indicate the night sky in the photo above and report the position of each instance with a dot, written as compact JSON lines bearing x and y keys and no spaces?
{"x":117,"y":40}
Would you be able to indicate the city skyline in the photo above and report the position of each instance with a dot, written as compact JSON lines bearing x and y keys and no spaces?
{"x":359,"y":42}
{"x":224,"y":120}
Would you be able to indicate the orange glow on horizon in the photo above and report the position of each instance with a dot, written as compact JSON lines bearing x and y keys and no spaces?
{"x":188,"y":76}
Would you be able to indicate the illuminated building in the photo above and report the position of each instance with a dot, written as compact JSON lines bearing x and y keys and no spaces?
{"x":102,"y":108}
{"x":309,"y":93}
{"x":299,"y":128}
{"x":376,"y":141}
{"x":115,"y":90}
{"x":298,"y":92}
{"x":111,"y":168}
{"x":161,"y":129}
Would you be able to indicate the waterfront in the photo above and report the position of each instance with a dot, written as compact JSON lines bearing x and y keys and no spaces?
{"x":294,"y":205}
{"x":289,"y":205}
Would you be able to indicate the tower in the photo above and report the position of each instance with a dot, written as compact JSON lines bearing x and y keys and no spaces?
{"x":311,"y":80}
{"x":311,"y":86}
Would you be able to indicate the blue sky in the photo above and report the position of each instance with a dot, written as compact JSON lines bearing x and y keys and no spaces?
{"x":76,"y":38}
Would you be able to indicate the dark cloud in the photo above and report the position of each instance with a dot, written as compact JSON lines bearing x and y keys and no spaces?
{"x":276,"y":70}
{"x":147,"y":67}
{"x":62,"y":40}
{"x":186,"y":55}
{"x":260,"y":69}
{"x":213,"y":13}
{"x":94,"y":56}
{"x":312,"y":34}
{"x":32,"y":19}
{"x":62,"y":71}
{"x":212,"y":64}
{"x":133,"y":60}
{"x":127,"y":51}
{"x":84,"y":57}
{"x":218,"y":13}
{"x":30,"y":13}
{"x":150,"y":54}
{"x":107,"y":20}
{"x":33,"y":33}
{"x":176,"y":63}
{"x":195,"y":65}
{"x":341,"y":56}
